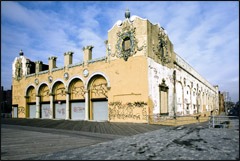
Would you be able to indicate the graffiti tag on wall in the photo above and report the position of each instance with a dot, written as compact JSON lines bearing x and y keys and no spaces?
{"x":100,"y":89}
{"x":79,"y":109}
{"x":61,"y":111}
{"x":136,"y":110}
{"x":78,"y":91}
{"x":46,"y":111}
{"x":21,"y":110}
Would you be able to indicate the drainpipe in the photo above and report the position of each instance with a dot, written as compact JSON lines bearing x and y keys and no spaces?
{"x":174,"y":94}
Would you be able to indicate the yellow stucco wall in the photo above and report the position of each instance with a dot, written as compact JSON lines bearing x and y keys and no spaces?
{"x":128,"y":87}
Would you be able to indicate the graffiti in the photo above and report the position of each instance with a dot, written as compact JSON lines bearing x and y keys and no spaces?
{"x":46,"y":112}
{"x":60,"y":91}
{"x":171,"y":78}
{"x":61,"y":111}
{"x":45,"y":93}
{"x":79,"y":109}
{"x":33,"y":95}
{"x":100,"y":89}
{"x":17,"y":98}
{"x":128,"y":110}
{"x":155,"y":72}
{"x":21,"y":110}
{"x":77,"y":91}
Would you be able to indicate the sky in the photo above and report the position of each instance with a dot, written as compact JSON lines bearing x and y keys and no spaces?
{"x":204,"y":34}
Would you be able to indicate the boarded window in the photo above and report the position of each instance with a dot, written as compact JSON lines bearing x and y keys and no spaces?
{"x":164,"y":107}
{"x":163,"y":91}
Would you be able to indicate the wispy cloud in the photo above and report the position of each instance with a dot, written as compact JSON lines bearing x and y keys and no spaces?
{"x":205,"y":34}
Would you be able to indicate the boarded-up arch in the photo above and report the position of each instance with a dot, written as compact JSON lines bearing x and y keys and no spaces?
{"x":187,"y":99}
{"x":58,"y":90}
{"x":31,"y":101}
{"x":98,"y":95}
{"x":77,"y":99}
{"x":44,"y":93}
{"x":179,"y":93}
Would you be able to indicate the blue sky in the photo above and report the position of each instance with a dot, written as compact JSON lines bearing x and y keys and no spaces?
{"x":205,"y":34}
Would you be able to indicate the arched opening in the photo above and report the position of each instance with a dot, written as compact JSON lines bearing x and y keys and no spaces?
{"x":77,"y":99}
{"x":45,"y":110}
{"x":59,"y":106}
{"x":187,"y":100}
{"x":179,"y":93}
{"x":31,"y":102}
{"x":98,"y":95}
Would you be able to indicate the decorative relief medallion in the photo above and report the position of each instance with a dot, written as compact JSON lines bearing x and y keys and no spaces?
{"x":66,"y":76}
{"x":50,"y":78}
{"x":36,"y":81}
{"x":85,"y":72}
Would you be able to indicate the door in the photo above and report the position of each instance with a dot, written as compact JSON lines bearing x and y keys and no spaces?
{"x":78,"y":111}
{"x":15,"y":112}
{"x":60,"y":111}
{"x":45,"y":111}
{"x":100,"y":110}
{"x":32,"y":111}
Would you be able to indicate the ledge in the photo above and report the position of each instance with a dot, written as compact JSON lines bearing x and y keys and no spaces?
{"x":97,"y":60}
{"x":43,"y":72}
{"x":30,"y":75}
{"x":57,"y":69}
{"x":74,"y":65}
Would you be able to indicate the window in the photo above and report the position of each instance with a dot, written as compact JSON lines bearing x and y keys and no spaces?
{"x":126,"y":45}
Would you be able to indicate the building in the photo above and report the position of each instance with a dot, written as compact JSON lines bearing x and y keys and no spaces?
{"x":227,"y":100}
{"x":6,"y":102}
{"x":140,"y":75}
{"x":221,"y":103}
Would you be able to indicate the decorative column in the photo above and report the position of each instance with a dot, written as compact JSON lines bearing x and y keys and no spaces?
{"x":51,"y":105}
{"x":67,"y":105}
{"x":86,"y":105}
{"x":37,"y":106}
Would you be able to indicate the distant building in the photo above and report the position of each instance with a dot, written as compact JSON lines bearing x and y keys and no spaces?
{"x":140,"y":75}
{"x":227,"y":99}
{"x":6,"y":101}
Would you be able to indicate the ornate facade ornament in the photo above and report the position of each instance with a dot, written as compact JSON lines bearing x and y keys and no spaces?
{"x":162,"y":50}
{"x":66,"y":76}
{"x":50,"y":79}
{"x":127,"y":44}
{"x":85,"y":72}
{"x":19,"y":70}
{"x":36,"y":81}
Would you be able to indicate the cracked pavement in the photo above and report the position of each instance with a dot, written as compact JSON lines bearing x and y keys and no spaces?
{"x":188,"y":142}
